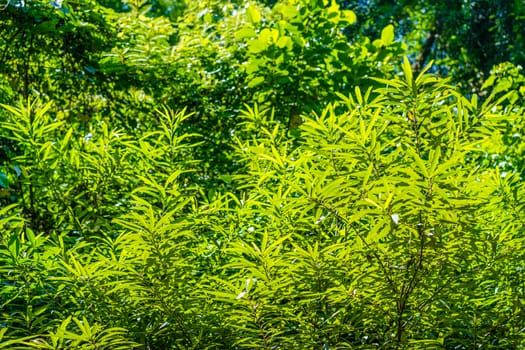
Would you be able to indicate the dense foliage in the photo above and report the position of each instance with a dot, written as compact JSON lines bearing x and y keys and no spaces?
{"x":466,"y":38}
{"x":259,"y":175}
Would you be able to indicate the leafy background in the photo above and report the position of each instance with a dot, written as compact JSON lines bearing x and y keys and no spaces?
{"x":266,"y":174}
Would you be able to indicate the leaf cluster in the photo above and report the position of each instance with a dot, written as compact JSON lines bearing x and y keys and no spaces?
{"x":384,"y":223}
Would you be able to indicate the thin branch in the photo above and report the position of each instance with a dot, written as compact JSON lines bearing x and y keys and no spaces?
{"x":360,"y":236}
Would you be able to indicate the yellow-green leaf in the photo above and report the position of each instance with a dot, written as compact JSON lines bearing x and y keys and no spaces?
{"x":255,"y":82}
{"x":245,"y":32}
{"x":254,"y":16}
{"x":387,"y":35}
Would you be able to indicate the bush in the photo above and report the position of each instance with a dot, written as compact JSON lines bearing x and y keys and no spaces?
{"x":384,"y":222}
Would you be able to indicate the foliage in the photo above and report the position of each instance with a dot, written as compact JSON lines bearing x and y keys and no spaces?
{"x":217,"y":58}
{"x":249,"y":175}
{"x":465,"y":38}
{"x":381,"y":226}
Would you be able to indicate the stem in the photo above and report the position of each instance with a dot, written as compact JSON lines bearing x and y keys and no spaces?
{"x":415,"y":127}
{"x":409,"y":288}
{"x":374,"y":253}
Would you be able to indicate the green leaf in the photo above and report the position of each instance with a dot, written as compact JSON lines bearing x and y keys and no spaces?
{"x":387,"y":35}
{"x":434,"y":158}
{"x":288,"y":11}
{"x":254,"y":16}
{"x":489,"y":82}
{"x":269,"y":36}
{"x":285,"y":41}
{"x":14,"y":246}
{"x":226,"y":178}
{"x":255,"y":82}
{"x":407,"y":70}
{"x":420,"y":162}
{"x":257,"y":46}
{"x":349,"y":16}
{"x":30,"y":236}
{"x":4,"y":182}
{"x":245,"y":33}
{"x":503,"y":85}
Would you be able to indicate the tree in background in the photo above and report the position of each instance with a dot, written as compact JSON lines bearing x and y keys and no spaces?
{"x":465,"y":38}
